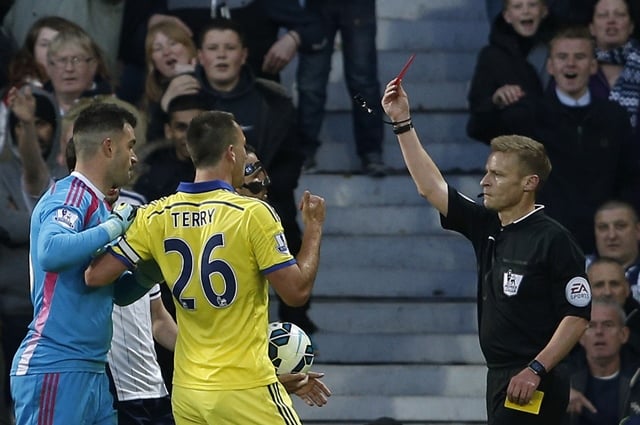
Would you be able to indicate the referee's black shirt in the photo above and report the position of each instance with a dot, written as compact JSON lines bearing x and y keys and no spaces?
{"x":530,"y":276}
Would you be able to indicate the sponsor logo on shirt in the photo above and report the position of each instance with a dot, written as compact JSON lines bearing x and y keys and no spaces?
{"x":578,"y":292}
{"x":281,"y":244}
{"x":511,"y":283}
{"x":67,"y":218}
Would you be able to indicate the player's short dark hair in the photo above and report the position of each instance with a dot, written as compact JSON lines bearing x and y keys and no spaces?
{"x":531,"y":153}
{"x":209,"y":135}
{"x":98,"y":121}
{"x":222,"y":24}
{"x":250,"y":149}
{"x":186,"y":102}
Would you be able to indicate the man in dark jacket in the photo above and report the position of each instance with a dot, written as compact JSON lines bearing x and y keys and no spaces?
{"x":267,"y":116}
{"x":588,"y":140}
{"x":601,"y":387}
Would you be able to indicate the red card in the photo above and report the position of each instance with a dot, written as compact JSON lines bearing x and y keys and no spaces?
{"x":406,"y":67}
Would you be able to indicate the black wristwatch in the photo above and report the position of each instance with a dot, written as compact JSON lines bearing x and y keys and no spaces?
{"x":537,"y":368}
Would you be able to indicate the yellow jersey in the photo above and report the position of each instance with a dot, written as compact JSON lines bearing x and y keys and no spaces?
{"x":214,"y":247}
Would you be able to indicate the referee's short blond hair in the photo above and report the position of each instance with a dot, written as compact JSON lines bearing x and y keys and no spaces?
{"x":532,"y":154}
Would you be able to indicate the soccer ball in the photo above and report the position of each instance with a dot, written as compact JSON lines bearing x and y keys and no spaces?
{"x":290,"y":349}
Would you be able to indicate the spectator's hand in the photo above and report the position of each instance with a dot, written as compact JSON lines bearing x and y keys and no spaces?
{"x":157,"y":18}
{"x":22,"y":103}
{"x":522,"y":386}
{"x":507,"y":95}
{"x":395,"y":101}
{"x":307,"y":386}
{"x":280,"y":53}
{"x":313,"y":208}
{"x":182,"y":68}
{"x":577,"y":401}
{"x":180,"y":85}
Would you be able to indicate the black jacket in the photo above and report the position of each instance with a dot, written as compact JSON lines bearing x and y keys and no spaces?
{"x":591,"y":152}
{"x":628,"y":389}
{"x":504,"y":61}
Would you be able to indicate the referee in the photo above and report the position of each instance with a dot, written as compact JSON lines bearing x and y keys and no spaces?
{"x":534,"y":300}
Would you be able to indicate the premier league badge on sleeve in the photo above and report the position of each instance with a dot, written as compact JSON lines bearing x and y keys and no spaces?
{"x":281,"y":244}
{"x":67,"y":218}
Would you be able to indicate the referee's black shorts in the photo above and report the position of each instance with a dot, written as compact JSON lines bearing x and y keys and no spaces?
{"x":555,"y":386}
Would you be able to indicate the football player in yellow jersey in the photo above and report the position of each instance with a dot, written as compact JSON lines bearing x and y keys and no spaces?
{"x":307,"y":386}
{"x":218,"y":251}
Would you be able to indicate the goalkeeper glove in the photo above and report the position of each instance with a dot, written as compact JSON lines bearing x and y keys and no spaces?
{"x":119,"y":221}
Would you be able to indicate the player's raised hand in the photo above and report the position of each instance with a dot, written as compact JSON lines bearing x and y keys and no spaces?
{"x":120,"y":219}
{"x":395,"y":101}
{"x":312,"y":207}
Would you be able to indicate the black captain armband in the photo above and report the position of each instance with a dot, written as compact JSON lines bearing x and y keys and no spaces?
{"x":537,"y":368}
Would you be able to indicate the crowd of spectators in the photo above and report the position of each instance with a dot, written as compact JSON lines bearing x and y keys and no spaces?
{"x":564,"y":72}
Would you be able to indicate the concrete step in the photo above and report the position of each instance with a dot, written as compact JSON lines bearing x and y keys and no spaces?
{"x":404,"y":380}
{"x":443,"y":95}
{"x":443,"y":135}
{"x":416,"y":35}
{"x":378,"y":281}
{"x":341,"y":157}
{"x":434,"y":127}
{"x":428,"y":66}
{"x":382,"y":220}
{"x":362,"y":316}
{"x":334,"y":346}
{"x":443,"y":253}
{"x":354,"y":190}
{"x":420,"y":409}
{"x":432,"y":10}
{"x":407,"y":393}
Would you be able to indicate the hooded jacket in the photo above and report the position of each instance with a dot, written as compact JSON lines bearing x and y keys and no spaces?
{"x":508,"y":59}
{"x":267,"y":116}
{"x":15,"y":213}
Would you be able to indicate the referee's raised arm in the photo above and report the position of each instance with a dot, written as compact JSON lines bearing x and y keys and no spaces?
{"x":425,"y":173}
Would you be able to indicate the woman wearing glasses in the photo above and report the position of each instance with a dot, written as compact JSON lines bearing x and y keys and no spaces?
{"x":76,"y":68}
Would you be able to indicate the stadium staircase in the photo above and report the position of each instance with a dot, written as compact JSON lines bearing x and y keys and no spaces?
{"x":394,"y":297}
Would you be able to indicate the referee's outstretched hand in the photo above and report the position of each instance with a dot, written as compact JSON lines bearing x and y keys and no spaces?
{"x":395,"y":101}
{"x":313,"y":208}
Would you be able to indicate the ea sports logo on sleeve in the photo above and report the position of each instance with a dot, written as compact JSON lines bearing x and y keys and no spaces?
{"x":578,"y":292}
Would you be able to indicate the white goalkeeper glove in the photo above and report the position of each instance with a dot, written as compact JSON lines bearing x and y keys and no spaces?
{"x":119,"y":221}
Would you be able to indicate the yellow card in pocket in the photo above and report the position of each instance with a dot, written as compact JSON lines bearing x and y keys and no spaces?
{"x":532,"y":407}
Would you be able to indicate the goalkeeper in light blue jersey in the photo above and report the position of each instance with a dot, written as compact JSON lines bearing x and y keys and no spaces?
{"x":58,"y":373}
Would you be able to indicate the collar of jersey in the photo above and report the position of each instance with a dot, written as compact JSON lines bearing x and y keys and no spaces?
{"x":536,"y":208}
{"x":86,"y":181}
{"x":202,"y":187}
